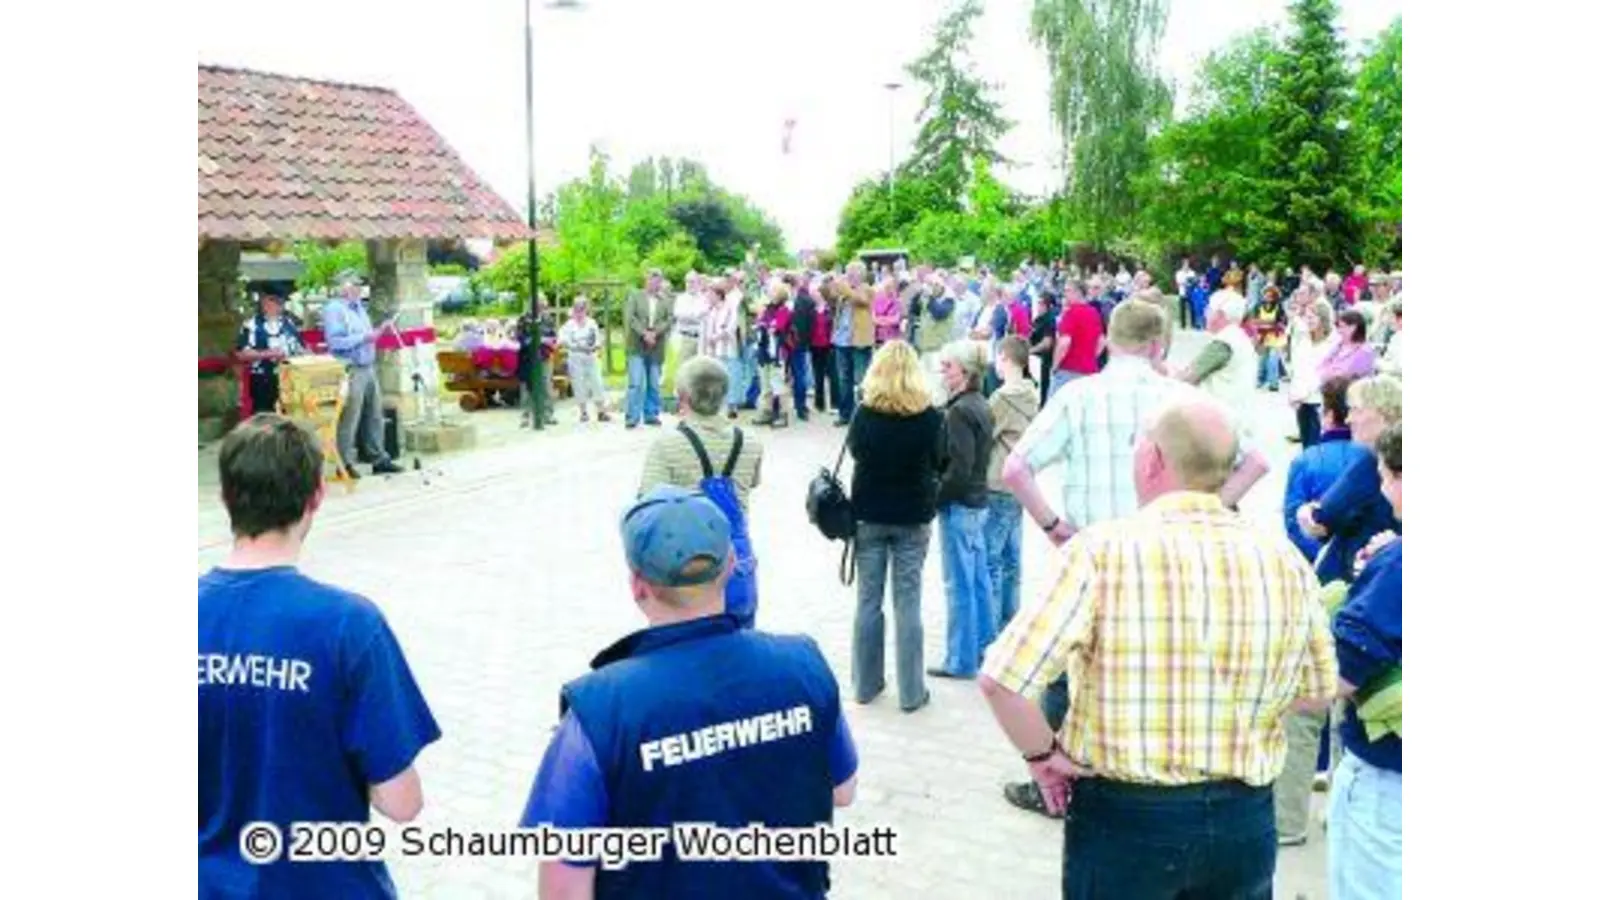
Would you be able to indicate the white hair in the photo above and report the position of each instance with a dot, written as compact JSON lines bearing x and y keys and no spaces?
{"x":1230,"y":304}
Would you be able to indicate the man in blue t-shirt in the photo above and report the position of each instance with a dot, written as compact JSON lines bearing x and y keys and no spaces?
{"x":693,"y":719}
{"x":308,"y":711}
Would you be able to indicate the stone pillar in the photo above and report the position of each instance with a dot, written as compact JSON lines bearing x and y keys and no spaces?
{"x":219,"y":323}
{"x":399,"y":281}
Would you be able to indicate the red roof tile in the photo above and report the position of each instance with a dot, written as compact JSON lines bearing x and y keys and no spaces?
{"x":285,"y":158}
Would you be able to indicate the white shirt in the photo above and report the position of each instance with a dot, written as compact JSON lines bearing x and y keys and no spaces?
{"x":688,"y":313}
{"x":1305,"y":357}
{"x":580,"y":340}
{"x":1235,"y":383}
{"x":1390,"y":363}
{"x":1091,"y":426}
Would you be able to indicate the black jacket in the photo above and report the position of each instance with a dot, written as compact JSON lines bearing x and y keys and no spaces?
{"x":967,"y":440}
{"x":895,"y":466}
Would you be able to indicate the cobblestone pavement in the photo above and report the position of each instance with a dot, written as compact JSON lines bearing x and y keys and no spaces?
{"x":504,"y":575}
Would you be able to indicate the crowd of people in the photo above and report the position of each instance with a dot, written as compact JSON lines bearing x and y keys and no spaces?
{"x":1186,"y":684}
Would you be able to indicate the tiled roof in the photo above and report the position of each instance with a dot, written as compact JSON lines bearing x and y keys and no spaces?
{"x":285,"y":158}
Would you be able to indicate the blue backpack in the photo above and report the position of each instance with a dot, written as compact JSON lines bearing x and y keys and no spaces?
{"x":740,"y":596}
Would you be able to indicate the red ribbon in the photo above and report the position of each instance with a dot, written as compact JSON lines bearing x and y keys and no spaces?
{"x":315,"y":342}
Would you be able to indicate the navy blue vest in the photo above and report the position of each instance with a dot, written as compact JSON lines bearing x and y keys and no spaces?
{"x":675,"y":680}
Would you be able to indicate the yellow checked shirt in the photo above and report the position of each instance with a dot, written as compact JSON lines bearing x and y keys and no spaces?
{"x":1185,"y":635}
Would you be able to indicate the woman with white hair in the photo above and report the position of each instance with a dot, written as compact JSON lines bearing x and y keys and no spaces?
{"x":581,"y":336}
{"x":963,"y":499}
{"x":1354,"y":511}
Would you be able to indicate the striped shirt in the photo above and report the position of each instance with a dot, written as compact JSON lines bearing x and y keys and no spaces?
{"x":671,"y":459}
{"x":1185,"y":635}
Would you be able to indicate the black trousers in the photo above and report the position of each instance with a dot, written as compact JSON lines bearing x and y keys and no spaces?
{"x":824,"y":379}
{"x":264,"y":392}
{"x":1308,"y":416}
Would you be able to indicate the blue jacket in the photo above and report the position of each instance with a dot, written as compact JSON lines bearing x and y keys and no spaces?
{"x":702,"y":721}
{"x":1366,"y":636}
{"x":1311,"y":474}
{"x":1353,"y":511}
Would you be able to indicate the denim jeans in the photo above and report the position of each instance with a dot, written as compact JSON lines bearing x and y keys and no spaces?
{"x":1055,"y":703}
{"x":852,"y":364}
{"x":800,"y":370}
{"x":969,"y":622}
{"x":1363,"y":832}
{"x":735,"y":379}
{"x":1058,"y":378}
{"x":1143,"y":842}
{"x":1270,"y":369}
{"x":1308,"y":417}
{"x":877,"y":546}
{"x":1002,"y":537}
{"x":644,"y":390}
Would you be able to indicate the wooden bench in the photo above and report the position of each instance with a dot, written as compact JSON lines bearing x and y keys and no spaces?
{"x":474,"y":386}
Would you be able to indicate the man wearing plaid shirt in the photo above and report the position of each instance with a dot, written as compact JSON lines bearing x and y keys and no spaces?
{"x":1189,"y":635}
{"x":1089,"y":426}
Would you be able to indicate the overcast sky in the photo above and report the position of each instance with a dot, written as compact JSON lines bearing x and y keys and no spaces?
{"x":713,"y":80}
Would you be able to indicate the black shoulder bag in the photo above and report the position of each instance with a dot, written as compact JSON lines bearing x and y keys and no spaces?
{"x":829,"y":509}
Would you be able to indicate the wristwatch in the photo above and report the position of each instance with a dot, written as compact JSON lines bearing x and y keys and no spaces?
{"x":1052,"y":526}
{"x":1055,"y":744}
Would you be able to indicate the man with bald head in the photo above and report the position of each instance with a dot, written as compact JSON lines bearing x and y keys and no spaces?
{"x":1188,"y":635}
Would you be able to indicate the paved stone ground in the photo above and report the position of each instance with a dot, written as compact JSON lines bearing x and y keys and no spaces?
{"x":504,"y":574}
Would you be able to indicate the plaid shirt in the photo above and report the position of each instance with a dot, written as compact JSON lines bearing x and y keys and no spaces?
{"x":1091,"y":425}
{"x":1186,"y":635}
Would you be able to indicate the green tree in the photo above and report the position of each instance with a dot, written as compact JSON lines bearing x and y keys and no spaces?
{"x":709,"y":223}
{"x":1308,"y":212}
{"x":1105,"y":99}
{"x":1375,"y":122}
{"x":959,"y":120}
{"x":674,"y":256}
{"x":322,"y":263}
{"x":869,"y":218}
{"x":590,"y":239}
{"x":1207,"y":169}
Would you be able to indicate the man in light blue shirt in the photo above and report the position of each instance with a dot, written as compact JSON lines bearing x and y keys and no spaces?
{"x":353,"y":341}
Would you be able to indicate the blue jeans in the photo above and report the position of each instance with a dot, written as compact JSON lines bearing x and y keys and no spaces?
{"x":852,"y":364}
{"x":892,"y":557}
{"x":1002,"y":537}
{"x":1058,"y":378}
{"x":1143,"y":842}
{"x":1271,"y":368}
{"x":736,"y":375}
{"x":644,"y":390}
{"x":969,"y":623}
{"x":800,"y":369}
{"x":1363,"y":832}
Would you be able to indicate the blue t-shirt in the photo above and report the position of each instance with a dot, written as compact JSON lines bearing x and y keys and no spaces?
{"x":305,"y":701}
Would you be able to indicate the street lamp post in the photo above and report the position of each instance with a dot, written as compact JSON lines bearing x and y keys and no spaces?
{"x":541,"y":399}
{"x":891,"y":87}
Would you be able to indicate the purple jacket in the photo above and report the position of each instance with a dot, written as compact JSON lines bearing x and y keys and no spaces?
{"x":1349,"y":360}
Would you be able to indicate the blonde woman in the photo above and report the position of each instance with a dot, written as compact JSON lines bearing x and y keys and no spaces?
{"x":894,"y":440}
{"x":1354,"y":510}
